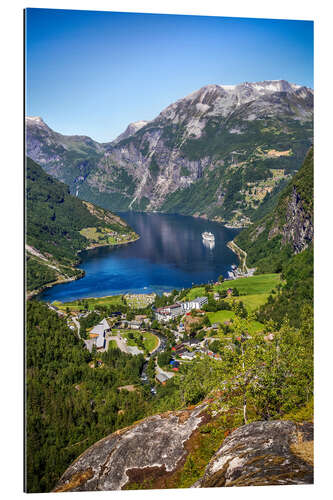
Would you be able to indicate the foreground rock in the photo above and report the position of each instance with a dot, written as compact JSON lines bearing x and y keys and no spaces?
{"x":150,"y":449}
{"x":263,"y":453}
{"x":151,"y":452}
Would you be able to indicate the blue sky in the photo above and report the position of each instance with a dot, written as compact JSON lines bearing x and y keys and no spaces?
{"x":92,"y":73}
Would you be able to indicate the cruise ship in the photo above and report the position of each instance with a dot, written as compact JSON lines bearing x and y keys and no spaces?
{"x":208,"y":236}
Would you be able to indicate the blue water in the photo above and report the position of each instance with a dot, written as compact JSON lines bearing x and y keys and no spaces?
{"x":169,"y":254}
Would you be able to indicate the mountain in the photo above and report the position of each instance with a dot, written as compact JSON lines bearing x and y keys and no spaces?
{"x":69,"y":158}
{"x":222,"y":152}
{"x":131,"y":130}
{"x":285,"y":231}
{"x":59,"y":225}
{"x":282,"y":241}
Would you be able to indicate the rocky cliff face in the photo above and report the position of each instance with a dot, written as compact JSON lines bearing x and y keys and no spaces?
{"x":217,"y":152}
{"x":298,"y":229}
{"x":149,"y":452}
{"x":289,"y":228}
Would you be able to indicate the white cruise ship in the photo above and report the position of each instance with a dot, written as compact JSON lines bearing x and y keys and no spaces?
{"x":208,"y":236}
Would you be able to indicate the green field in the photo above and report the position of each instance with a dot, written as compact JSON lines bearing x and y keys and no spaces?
{"x":252,"y":302}
{"x":262,"y":283}
{"x":150,"y":342}
{"x":99,"y":236}
{"x":113,"y":344}
{"x":254,"y":285}
{"x":79,"y":305}
{"x":221,"y":316}
{"x":196,"y":292}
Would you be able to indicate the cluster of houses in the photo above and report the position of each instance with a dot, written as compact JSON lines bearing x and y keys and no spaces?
{"x":181,"y":350}
{"x":167,"y":313}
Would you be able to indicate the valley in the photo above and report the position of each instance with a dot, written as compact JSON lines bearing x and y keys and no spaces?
{"x":161,"y":337}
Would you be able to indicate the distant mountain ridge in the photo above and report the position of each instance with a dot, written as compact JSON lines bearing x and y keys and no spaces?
{"x":132,"y":129}
{"x":220,"y":153}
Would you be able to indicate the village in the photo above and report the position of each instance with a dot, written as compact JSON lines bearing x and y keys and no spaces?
{"x":172,"y":335}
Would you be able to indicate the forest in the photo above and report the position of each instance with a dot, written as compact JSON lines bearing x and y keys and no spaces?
{"x":74,"y":397}
{"x":54,"y":219}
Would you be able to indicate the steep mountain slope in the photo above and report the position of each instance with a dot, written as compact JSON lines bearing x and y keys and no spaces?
{"x":220,"y":152}
{"x":68,"y":158}
{"x":59,"y":225}
{"x":286,"y":230}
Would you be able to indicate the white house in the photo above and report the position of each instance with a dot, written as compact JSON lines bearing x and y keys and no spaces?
{"x":98,"y":332}
{"x":134,"y":324}
{"x":194,"y":304}
{"x":188,"y":355}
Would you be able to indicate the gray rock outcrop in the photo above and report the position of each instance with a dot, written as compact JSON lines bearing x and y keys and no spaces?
{"x":149,"y":452}
{"x":262,"y":453}
{"x":152,"y":447}
{"x":298,"y":229}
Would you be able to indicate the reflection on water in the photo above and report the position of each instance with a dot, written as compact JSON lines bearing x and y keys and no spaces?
{"x":209,"y":244}
{"x":169,"y":254}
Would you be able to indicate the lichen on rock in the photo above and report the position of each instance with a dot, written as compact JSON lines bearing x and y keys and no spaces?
{"x":261,"y":453}
{"x":149,"y":449}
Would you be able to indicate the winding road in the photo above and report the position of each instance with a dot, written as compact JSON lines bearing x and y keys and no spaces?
{"x":77,"y":324}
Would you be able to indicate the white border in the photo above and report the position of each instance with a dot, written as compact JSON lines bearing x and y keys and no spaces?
{"x":12,"y":230}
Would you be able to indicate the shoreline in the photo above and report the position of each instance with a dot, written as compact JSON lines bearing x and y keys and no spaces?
{"x":241,"y":254}
{"x":108,"y":245}
{"x":226,"y":224}
{"x":29,"y":295}
{"x":33,"y":293}
{"x":231,"y":245}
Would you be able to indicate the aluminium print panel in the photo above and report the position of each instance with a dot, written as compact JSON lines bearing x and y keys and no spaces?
{"x":169,"y":251}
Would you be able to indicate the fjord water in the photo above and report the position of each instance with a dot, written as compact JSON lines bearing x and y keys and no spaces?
{"x":169,"y":254}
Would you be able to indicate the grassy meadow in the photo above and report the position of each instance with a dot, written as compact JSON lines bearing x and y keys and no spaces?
{"x":253,"y":291}
{"x":150,"y":340}
{"x":80,"y":305}
{"x":221,"y":316}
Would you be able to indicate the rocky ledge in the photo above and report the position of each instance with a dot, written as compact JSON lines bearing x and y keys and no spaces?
{"x":263,"y":453}
{"x":154,"y":449}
